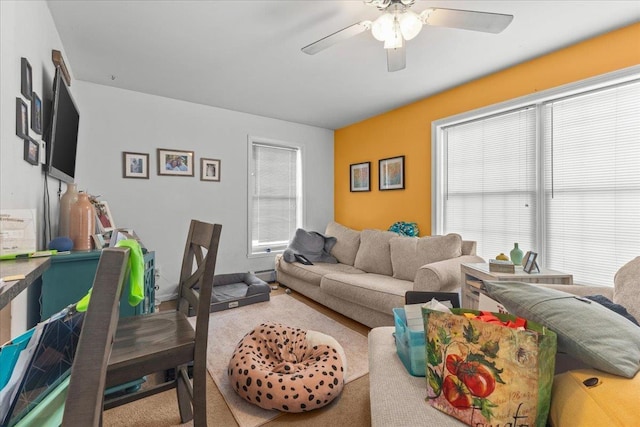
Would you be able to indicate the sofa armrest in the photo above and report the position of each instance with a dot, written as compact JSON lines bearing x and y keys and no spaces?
{"x":582,"y":290}
{"x":442,"y":276}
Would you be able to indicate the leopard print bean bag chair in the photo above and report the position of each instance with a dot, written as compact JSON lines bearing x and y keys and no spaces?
{"x":287,"y":369}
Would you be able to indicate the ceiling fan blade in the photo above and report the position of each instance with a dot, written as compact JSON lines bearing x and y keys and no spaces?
{"x":338,"y":36}
{"x":468,"y":20}
{"x":396,"y":59}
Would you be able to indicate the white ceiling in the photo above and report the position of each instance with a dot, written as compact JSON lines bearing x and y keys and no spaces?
{"x":245,"y":55}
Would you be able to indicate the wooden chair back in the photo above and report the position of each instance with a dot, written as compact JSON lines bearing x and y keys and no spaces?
{"x":85,"y":394}
{"x":196,"y":274}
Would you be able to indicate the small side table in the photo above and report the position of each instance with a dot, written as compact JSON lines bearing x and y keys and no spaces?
{"x":474,"y":273}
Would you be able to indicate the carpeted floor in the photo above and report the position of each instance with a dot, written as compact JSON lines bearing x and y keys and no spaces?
{"x":351,"y":408}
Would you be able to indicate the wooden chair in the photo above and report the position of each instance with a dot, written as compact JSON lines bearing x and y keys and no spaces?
{"x":165,"y":340}
{"x":86,"y":387}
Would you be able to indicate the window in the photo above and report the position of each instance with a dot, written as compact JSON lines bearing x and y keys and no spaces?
{"x":556,"y":172}
{"x":275,"y":202}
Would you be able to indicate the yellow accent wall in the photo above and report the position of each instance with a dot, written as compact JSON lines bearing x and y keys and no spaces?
{"x":407,"y":130}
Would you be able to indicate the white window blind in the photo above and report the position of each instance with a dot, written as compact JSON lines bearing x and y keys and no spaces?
{"x":592,"y":182}
{"x":558,"y":172}
{"x":491,"y":181}
{"x":274,"y":196}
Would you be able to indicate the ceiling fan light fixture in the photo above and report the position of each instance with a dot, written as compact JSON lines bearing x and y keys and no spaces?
{"x":410,"y":24}
{"x":382,"y":28}
{"x":394,"y":42}
{"x":387,"y":28}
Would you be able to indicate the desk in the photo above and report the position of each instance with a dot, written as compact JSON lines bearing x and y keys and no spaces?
{"x":31,"y":269}
{"x":474,"y":273}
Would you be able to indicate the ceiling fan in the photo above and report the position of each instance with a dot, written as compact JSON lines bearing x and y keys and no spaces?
{"x":398,"y":24}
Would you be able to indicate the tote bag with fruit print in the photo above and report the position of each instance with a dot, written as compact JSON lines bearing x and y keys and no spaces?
{"x":488,"y":374}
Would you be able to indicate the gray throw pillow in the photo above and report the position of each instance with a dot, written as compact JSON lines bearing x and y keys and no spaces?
{"x":311,"y":244}
{"x":586,"y":330}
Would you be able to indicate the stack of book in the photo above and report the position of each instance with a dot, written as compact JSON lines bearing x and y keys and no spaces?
{"x":498,"y":266}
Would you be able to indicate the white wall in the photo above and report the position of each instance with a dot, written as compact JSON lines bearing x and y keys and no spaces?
{"x":159,"y":209}
{"x":26,"y":30}
{"x":112,"y":121}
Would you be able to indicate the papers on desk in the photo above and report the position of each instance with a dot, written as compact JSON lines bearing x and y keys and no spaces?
{"x":413,"y":312}
{"x":17,"y":231}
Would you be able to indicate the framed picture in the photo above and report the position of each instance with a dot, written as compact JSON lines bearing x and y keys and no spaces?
{"x":391,"y":172}
{"x":36,"y":113}
{"x":529,"y":263}
{"x":25,"y":72}
{"x":31,"y":151}
{"x":98,"y":241}
{"x":135,"y":165}
{"x":104,"y":219}
{"x":122,"y":234}
{"x":22,"y":119}
{"x":209,"y":170}
{"x":360,"y":177}
{"x":175,"y":162}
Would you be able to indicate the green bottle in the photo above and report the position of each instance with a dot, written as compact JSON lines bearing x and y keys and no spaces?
{"x":516,"y":255}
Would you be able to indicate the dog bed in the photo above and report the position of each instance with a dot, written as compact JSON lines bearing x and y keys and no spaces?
{"x":287,"y":369}
{"x":237,"y":290}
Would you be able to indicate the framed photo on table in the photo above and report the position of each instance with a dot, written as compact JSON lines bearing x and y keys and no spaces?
{"x":360,"y":177}
{"x":175,"y":162}
{"x":529,"y":263}
{"x":104,"y":219}
{"x":391,"y":173}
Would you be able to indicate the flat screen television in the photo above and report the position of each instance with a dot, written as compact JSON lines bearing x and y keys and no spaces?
{"x":63,"y":138}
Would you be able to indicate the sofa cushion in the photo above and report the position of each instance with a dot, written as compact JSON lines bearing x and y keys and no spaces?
{"x":314,"y":273}
{"x":375,"y":291}
{"x":610,"y":402}
{"x":408,"y":254}
{"x":627,"y":287}
{"x":347,"y":244}
{"x":586,"y":330}
{"x":374,"y":253}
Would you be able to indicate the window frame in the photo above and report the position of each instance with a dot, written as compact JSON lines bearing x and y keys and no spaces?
{"x":280,"y":246}
{"x":537,"y":101}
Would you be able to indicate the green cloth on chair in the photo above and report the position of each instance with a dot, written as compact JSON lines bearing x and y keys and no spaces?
{"x":136,"y":275}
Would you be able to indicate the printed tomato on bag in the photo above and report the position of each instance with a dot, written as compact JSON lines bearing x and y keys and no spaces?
{"x":487,"y":374}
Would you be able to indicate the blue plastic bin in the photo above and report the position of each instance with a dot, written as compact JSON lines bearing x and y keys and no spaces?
{"x":410,"y":345}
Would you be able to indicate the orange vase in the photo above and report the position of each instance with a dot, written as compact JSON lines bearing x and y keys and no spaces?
{"x":82,"y":223}
{"x":66,"y":201}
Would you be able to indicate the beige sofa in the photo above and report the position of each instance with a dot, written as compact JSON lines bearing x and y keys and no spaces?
{"x":375,"y":269}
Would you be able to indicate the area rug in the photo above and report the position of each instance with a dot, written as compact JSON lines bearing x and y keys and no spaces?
{"x":226,"y":329}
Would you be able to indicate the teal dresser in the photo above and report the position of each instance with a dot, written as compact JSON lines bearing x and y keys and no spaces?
{"x":70,"y":276}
